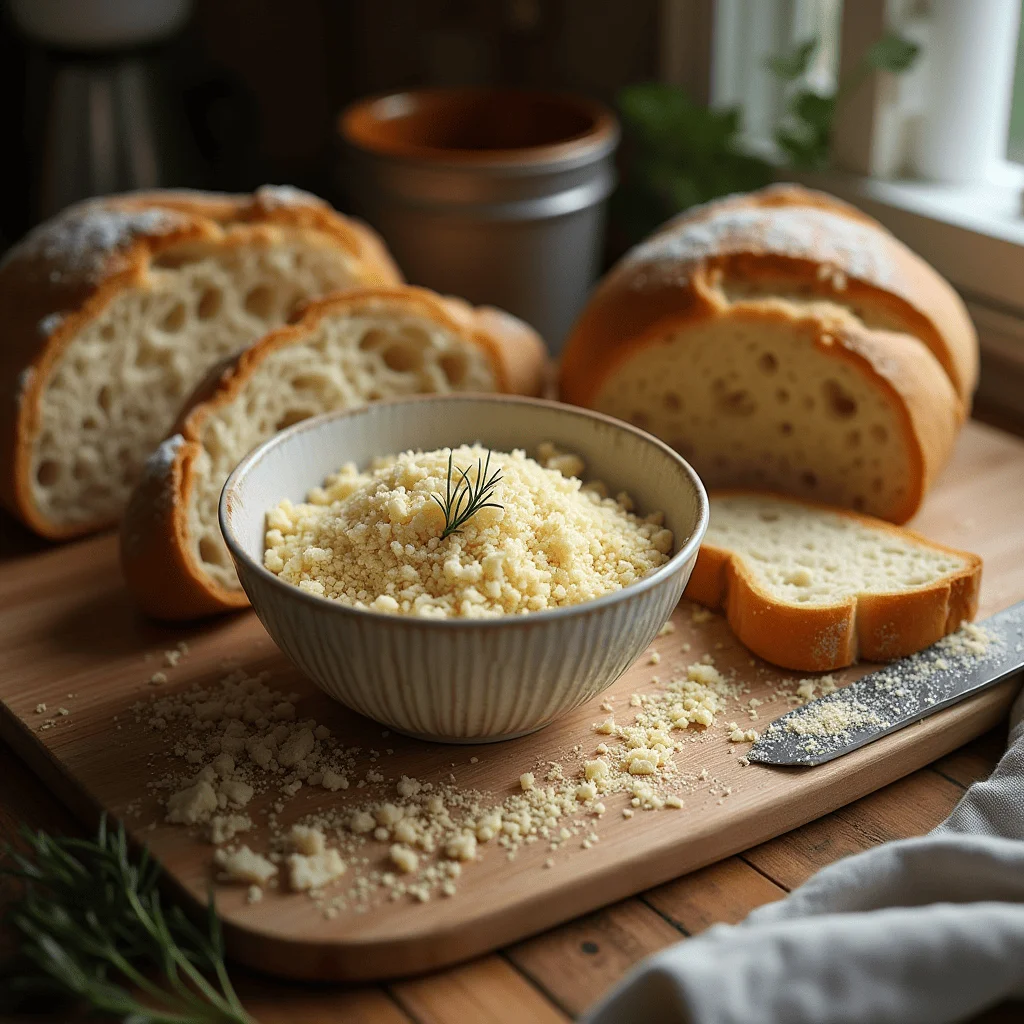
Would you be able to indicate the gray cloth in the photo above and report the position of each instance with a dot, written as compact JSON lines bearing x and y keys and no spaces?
{"x":923,"y":930}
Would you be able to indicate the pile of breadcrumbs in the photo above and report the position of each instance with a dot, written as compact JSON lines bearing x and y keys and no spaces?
{"x":373,"y":540}
{"x":243,"y":744}
{"x":289,"y":806}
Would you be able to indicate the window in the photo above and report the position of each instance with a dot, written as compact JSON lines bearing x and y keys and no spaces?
{"x":1015,"y":149}
{"x":746,"y":34}
{"x":967,"y":219}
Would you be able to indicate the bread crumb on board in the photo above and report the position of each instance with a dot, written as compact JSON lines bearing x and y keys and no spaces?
{"x":243,"y":744}
{"x":242,"y":740}
{"x":243,"y":865}
{"x":737,"y":734}
{"x":308,"y":871}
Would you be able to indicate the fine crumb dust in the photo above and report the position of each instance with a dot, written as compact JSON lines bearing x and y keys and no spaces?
{"x":242,"y":744}
{"x":250,"y":769}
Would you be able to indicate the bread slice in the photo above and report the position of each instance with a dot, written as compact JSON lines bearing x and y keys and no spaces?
{"x":814,"y":588}
{"x":346,"y":350}
{"x":783,"y":340}
{"x":114,"y":311}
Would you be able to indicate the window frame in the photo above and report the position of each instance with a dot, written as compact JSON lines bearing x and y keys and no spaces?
{"x":973,"y":235}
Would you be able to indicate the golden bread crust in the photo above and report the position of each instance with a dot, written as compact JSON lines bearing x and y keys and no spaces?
{"x":66,"y":271}
{"x":156,"y":555}
{"x":784,"y":237}
{"x":922,"y":395}
{"x":873,"y":627}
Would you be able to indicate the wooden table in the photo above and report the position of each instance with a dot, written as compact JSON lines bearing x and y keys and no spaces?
{"x":555,"y":976}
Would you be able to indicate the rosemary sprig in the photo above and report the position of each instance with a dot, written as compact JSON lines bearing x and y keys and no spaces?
{"x":465,"y":499}
{"x":91,"y":927}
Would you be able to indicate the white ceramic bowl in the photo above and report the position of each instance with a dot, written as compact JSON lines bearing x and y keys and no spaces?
{"x":463,"y":680}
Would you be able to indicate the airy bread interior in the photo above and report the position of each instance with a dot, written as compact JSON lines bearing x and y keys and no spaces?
{"x":344,"y":361}
{"x":123,"y":378}
{"x":813,"y":299}
{"x":800,"y":554}
{"x":753,"y":402}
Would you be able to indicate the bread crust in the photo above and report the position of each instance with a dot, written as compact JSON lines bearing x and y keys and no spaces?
{"x":65,"y":272}
{"x":156,"y":554}
{"x":920,"y":392}
{"x":873,"y":627}
{"x":785,"y":236}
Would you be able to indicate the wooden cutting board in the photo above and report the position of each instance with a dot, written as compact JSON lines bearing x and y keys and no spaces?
{"x":70,"y":638}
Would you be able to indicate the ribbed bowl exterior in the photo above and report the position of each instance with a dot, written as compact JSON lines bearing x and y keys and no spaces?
{"x":462,"y":680}
{"x":492,"y":680}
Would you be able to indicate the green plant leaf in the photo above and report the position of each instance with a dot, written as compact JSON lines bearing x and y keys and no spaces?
{"x":817,"y":111}
{"x":653,"y":110}
{"x":892,"y":52}
{"x":675,"y":154}
{"x":791,"y":66}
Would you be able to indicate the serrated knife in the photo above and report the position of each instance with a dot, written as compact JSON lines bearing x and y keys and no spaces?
{"x":903,"y":692}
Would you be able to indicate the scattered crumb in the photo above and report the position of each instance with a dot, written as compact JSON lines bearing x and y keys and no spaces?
{"x":404,"y":858}
{"x":405,"y":838}
{"x":307,"y":840}
{"x":737,"y":734}
{"x":244,"y":866}
{"x":314,"y":870}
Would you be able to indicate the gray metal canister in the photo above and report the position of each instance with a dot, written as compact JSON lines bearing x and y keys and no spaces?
{"x":497,"y":196}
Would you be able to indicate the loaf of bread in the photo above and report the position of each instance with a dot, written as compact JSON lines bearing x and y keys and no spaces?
{"x":114,"y":311}
{"x":345,"y":350}
{"x":783,"y":340}
{"x":814,"y":588}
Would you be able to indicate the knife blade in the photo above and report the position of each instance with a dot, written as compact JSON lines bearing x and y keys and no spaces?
{"x":905,"y":691}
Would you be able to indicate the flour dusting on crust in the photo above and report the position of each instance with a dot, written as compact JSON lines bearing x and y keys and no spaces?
{"x":86,"y":237}
{"x":271,"y":196}
{"x":808,"y":233}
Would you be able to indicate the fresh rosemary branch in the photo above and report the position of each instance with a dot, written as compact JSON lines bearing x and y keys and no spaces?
{"x":465,"y":499}
{"x":91,"y":927}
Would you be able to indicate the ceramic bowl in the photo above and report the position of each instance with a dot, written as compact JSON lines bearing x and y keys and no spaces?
{"x":458,"y":680}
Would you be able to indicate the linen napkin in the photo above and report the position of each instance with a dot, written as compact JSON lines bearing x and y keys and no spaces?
{"x":927,"y":930}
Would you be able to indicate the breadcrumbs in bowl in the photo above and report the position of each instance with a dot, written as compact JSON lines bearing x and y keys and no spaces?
{"x":458,"y":628}
{"x":376,"y":539}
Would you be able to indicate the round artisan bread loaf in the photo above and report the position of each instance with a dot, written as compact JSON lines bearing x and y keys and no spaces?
{"x":784,"y":340}
{"x":115,"y":309}
{"x":345,"y":350}
{"x":815,"y":588}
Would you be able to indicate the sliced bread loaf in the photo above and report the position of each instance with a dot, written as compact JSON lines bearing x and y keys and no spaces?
{"x":783,"y":340}
{"x":345,"y":350}
{"x":116,"y":309}
{"x":813,"y":588}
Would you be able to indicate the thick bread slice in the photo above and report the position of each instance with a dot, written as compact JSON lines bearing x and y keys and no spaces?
{"x":114,"y":310}
{"x":813,"y":588}
{"x":781,"y":242}
{"x":774,"y":398}
{"x":346,"y":350}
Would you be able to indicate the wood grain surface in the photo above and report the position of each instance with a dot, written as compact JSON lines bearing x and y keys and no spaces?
{"x":66,"y":627}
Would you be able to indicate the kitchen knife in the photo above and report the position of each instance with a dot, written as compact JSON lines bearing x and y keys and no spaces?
{"x":905,"y":691}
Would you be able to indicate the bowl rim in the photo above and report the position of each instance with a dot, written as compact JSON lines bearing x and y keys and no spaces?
{"x":633,"y":590}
